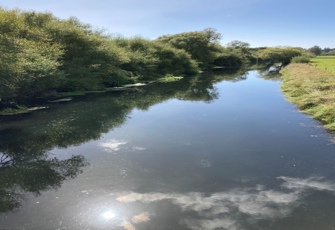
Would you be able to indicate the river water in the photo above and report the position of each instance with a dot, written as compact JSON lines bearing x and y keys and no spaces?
{"x":220,"y":151}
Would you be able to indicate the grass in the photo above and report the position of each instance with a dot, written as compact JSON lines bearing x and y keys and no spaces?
{"x":20,"y":110}
{"x":169,"y":78}
{"x":324,"y":63}
{"x":11,"y":111}
{"x":312,"y":89}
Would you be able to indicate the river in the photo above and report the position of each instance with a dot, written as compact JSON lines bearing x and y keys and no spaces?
{"x":220,"y":151}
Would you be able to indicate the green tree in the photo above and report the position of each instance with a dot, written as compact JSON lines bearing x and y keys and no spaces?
{"x":315,"y":50}
{"x":28,"y":58}
{"x":245,"y":46}
{"x":201,"y":45}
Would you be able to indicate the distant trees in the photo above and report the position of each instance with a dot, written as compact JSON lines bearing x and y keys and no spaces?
{"x":328,"y":52}
{"x":205,"y":48}
{"x":315,"y":50}
{"x":326,"y":49}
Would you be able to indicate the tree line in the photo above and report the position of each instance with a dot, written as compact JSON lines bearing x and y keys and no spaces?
{"x":42,"y":55}
{"x":317,"y":50}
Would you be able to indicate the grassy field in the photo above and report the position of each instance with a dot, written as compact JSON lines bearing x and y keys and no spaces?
{"x":312,"y":89}
{"x":324,"y":62}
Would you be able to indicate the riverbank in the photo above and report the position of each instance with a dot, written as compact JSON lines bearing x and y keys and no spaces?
{"x":312,"y":88}
{"x":67,"y":96}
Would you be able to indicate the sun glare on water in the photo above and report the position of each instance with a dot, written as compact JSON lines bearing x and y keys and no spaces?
{"x":108,"y":215}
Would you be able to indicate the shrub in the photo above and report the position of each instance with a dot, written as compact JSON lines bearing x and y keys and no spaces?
{"x":283,"y":55}
{"x":300,"y":59}
{"x":228,"y":61}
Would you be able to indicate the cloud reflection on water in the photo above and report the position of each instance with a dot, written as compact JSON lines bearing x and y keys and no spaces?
{"x":141,"y":218}
{"x":114,"y":145}
{"x":128,"y":226}
{"x":221,"y":210}
{"x":317,"y":183}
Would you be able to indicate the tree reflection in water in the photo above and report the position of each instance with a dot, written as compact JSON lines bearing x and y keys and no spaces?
{"x":34,"y":176}
{"x":25,"y":140}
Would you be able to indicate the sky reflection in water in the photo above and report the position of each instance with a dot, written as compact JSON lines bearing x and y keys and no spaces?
{"x":221,"y":210}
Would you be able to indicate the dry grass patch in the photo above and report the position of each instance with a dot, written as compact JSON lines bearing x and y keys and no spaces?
{"x":313,"y":90}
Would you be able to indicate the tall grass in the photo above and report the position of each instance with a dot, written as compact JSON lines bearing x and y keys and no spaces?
{"x":313,"y":90}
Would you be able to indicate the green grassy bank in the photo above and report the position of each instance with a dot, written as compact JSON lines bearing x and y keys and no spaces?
{"x":324,"y":62}
{"x":312,"y":88}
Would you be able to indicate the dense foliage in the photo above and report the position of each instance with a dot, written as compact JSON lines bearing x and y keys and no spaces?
{"x":42,"y":55}
{"x":204,"y":47}
{"x":283,"y":55}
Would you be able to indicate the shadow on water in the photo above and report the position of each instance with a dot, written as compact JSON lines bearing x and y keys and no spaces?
{"x":25,"y":140}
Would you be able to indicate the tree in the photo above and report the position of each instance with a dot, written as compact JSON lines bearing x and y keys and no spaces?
{"x":238,"y":44}
{"x":315,"y":50}
{"x":240,"y":49}
{"x":326,"y":49}
{"x":201,"y":45}
{"x":27,"y":57}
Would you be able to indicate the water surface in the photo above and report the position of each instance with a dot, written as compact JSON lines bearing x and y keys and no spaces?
{"x":221,"y":151}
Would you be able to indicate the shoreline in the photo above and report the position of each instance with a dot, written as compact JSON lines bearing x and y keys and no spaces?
{"x":312,"y":89}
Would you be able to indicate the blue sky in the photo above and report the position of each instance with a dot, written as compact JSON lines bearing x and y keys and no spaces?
{"x":258,"y":22}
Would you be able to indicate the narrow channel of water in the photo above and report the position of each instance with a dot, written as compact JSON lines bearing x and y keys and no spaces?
{"x":222,"y":151}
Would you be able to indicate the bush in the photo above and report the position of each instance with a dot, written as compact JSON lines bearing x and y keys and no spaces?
{"x":228,"y":61}
{"x":201,"y":45}
{"x":300,"y":59}
{"x":283,"y":55}
{"x":150,"y":60}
